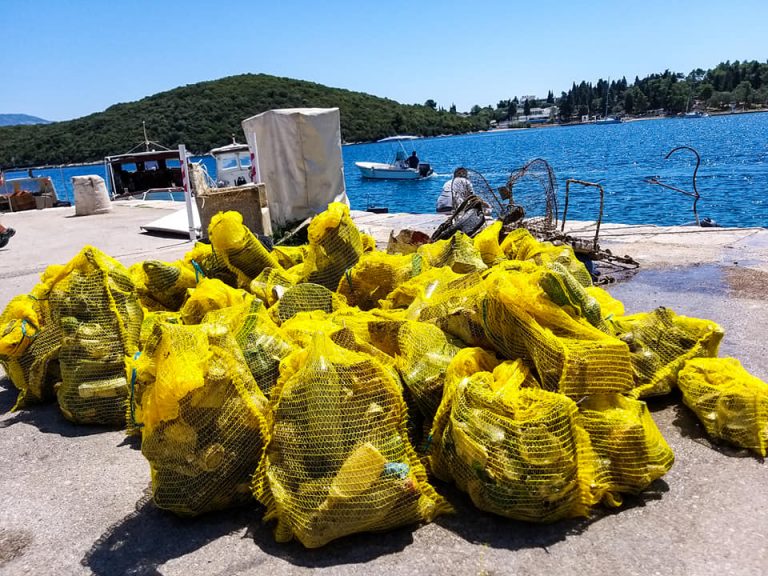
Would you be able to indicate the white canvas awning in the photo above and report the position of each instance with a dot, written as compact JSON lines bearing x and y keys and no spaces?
{"x":298,"y":157}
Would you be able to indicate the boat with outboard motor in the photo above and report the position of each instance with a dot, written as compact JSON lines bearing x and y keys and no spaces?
{"x":398,"y":169}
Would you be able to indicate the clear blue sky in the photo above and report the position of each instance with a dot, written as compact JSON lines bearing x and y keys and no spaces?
{"x":68,"y":58}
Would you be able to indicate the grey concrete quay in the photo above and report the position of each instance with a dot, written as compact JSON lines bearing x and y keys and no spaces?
{"x":73,"y":499}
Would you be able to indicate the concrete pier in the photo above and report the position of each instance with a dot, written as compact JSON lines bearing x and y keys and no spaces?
{"x":73,"y":498}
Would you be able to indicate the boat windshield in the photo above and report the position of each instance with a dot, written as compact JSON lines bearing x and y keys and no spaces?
{"x":233,"y":161}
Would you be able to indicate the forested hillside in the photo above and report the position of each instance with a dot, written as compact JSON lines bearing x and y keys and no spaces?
{"x":205,"y":115}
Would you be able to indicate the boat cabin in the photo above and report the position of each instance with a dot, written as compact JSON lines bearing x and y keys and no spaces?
{"x":147,"y":175}
{"x":233,"y":164}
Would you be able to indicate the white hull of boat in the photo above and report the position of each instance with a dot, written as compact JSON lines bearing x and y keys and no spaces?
{"x":381,"y":171}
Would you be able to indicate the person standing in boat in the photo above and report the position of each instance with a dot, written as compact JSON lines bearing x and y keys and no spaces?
{"x":413,"y":160}
{"x":455,"y":191}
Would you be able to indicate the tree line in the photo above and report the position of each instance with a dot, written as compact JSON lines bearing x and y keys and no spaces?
{"x":206,"y":115}
{"x":742,"y":85}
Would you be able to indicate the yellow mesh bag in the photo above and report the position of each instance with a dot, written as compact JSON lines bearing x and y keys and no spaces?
{"x":564,"y":290}
{"x":208,"y":264}
{"x":458,"y":253}
{"x":730,"y":402}
{"x":164,"y":282}
{"x":421,"y":286}
{"x":334,"y":246}
{"x":271,"y":284}
{"x":630,"y":449}
{"x":30,"y":340}
{"x":608,"y":304}
{"x":204,"y":421}
{"x":375,"y":275}
{"x":660,"y":342}
{"x":569,"y":354}
{"x":425,"y":353}
{"x":515,"y":449}
{"x":456,"y":308}
{"x":521,"y":245}
{"x":242,"y":252}
{"x":487,"y":244}
{"x":100,"y":320}
{"x":290,"y":256}
{"x":368,"y":242}
{"x":353,"y":469}
{"x":263,"y":345}
{"x":211,"y":294}
{"x":306,"y":297}
{"x":301,"y":328}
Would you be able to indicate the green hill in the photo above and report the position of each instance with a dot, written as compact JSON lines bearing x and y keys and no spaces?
{"x":205,"y":115}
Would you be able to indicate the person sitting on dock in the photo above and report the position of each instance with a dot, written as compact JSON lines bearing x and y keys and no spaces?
{"x":5,"y":235}
{"x":455,"y":191}
{"x":413,"y":160}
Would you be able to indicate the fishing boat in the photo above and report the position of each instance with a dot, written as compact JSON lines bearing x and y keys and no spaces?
{"x":234,"y":164}
{"x":397,"y":169}
{"x":152,"y":174}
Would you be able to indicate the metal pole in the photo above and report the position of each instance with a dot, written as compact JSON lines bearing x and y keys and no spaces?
{"x":187,"y":191}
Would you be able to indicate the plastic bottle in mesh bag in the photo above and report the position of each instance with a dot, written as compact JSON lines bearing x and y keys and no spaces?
{"x":731,"y":403}
{"x":100,"y":319}
{"x":515,"y":449}
{"x":340,"y":461}
{"x":631,"y":452}
{"x":660,"y":342}
{"x":242,"y":252}
{"x":30,"y":340}
{"x":335,"y":245}
{"x":204,"y":421}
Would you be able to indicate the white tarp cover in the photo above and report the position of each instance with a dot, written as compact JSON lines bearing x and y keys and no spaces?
{"x":298,"y":153}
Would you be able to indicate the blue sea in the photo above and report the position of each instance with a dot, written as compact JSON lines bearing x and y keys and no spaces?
{"x":732,"y":179}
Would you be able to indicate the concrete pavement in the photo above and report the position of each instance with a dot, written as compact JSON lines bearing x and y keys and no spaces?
{"x":73,"y":498}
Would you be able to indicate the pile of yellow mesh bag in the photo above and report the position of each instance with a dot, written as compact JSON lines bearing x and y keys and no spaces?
{"x":330,"y":381}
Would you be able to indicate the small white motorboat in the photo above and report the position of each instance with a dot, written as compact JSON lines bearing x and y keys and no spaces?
{"x":394,"y":171}
{"x":398,"y":169}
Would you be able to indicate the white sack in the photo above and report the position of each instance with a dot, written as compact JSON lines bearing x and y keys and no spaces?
{"x":298,"y":157}
{"x":91,"y":196}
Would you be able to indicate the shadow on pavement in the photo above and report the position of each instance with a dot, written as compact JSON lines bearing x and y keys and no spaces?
{"x":478,"y":527}
{"x":45,"y":417}
{"x":352,"y":549}
{"x":150,"y":537}
{"x":689,"y":426}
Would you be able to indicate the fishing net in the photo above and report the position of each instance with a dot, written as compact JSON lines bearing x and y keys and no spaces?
{"x":569,"y":354}
{"x":335,"y":244}
{"x":515,"y":449}
{"x":660,"y":342}
{"x":354,"y":469}
{"x":532,"y":189}
{"x":242,"y":252}
{"x":100,"y":319}
{"x":375,"y":275}
{"x":731,"y":403}
{"x":204,"y":420}
{"x":630,"y":450}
